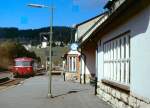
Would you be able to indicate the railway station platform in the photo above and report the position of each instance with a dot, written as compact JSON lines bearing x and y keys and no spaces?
{"x":33,"y":94}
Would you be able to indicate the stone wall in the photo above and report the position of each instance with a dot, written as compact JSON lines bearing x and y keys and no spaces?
{"x":119,"y":98}
{"x":71,"y":76}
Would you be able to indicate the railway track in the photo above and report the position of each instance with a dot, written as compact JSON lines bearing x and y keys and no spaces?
{"x":7,"y":80}
{"x":11,"y":82}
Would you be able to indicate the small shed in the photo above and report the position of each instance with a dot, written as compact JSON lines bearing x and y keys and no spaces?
{"x":72,"y":65}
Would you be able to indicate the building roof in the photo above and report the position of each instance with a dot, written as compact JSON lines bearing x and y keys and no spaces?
{"x":131,"y":5}
{"x":23,"y":59}
{"x":90,"y":19}
{"x":85,"y":31}
{"x":73,"y":52}
{"x":109,"y":4}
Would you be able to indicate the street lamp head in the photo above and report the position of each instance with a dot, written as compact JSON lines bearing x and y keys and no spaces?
{"x":37,"y":6}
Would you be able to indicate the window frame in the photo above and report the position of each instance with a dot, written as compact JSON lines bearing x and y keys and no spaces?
{"x":113,"y":59}
{"x":72,"y":64}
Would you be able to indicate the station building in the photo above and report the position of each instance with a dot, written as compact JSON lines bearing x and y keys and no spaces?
{"x":115,"y":48}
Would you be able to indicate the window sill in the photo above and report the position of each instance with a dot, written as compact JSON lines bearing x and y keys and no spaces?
{"x":116,"y":85}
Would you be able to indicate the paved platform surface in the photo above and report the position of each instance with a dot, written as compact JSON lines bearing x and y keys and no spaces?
{"x":33,"y":94}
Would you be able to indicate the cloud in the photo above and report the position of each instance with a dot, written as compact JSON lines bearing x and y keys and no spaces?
{"x":89,"y":4}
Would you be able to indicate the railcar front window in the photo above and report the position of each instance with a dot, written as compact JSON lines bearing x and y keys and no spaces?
{"x":25,"y":63}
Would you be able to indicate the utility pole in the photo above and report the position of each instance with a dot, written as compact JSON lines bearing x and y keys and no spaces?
{"x":50,"y":44}
{"x":50,"y":53}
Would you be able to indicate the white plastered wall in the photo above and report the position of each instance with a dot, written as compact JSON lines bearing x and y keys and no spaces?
{"x":139,"y":25}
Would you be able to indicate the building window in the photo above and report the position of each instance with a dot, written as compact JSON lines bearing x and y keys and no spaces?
{"x":117,"y":59}
{"x":72,"y":63}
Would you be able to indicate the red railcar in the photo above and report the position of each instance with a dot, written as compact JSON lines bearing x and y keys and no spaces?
{"x":23,"y":67}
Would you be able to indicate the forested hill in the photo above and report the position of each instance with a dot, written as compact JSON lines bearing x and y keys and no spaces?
{"x":62,"y":34}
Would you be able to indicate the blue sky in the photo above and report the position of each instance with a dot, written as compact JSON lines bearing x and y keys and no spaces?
{"x":16,"y":13}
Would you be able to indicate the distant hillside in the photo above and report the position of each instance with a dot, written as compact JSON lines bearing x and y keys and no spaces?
{"x":57,"y":53}
{"x":62,"y":34}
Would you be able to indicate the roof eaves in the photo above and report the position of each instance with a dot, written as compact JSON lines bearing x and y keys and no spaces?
{"x":109,"y":3}
{"x":113,"y":15}
{"x":90,"y":19}
{"x":92,"y":27}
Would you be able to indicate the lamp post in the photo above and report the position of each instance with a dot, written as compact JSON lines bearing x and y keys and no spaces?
{"x":50,"y":46}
